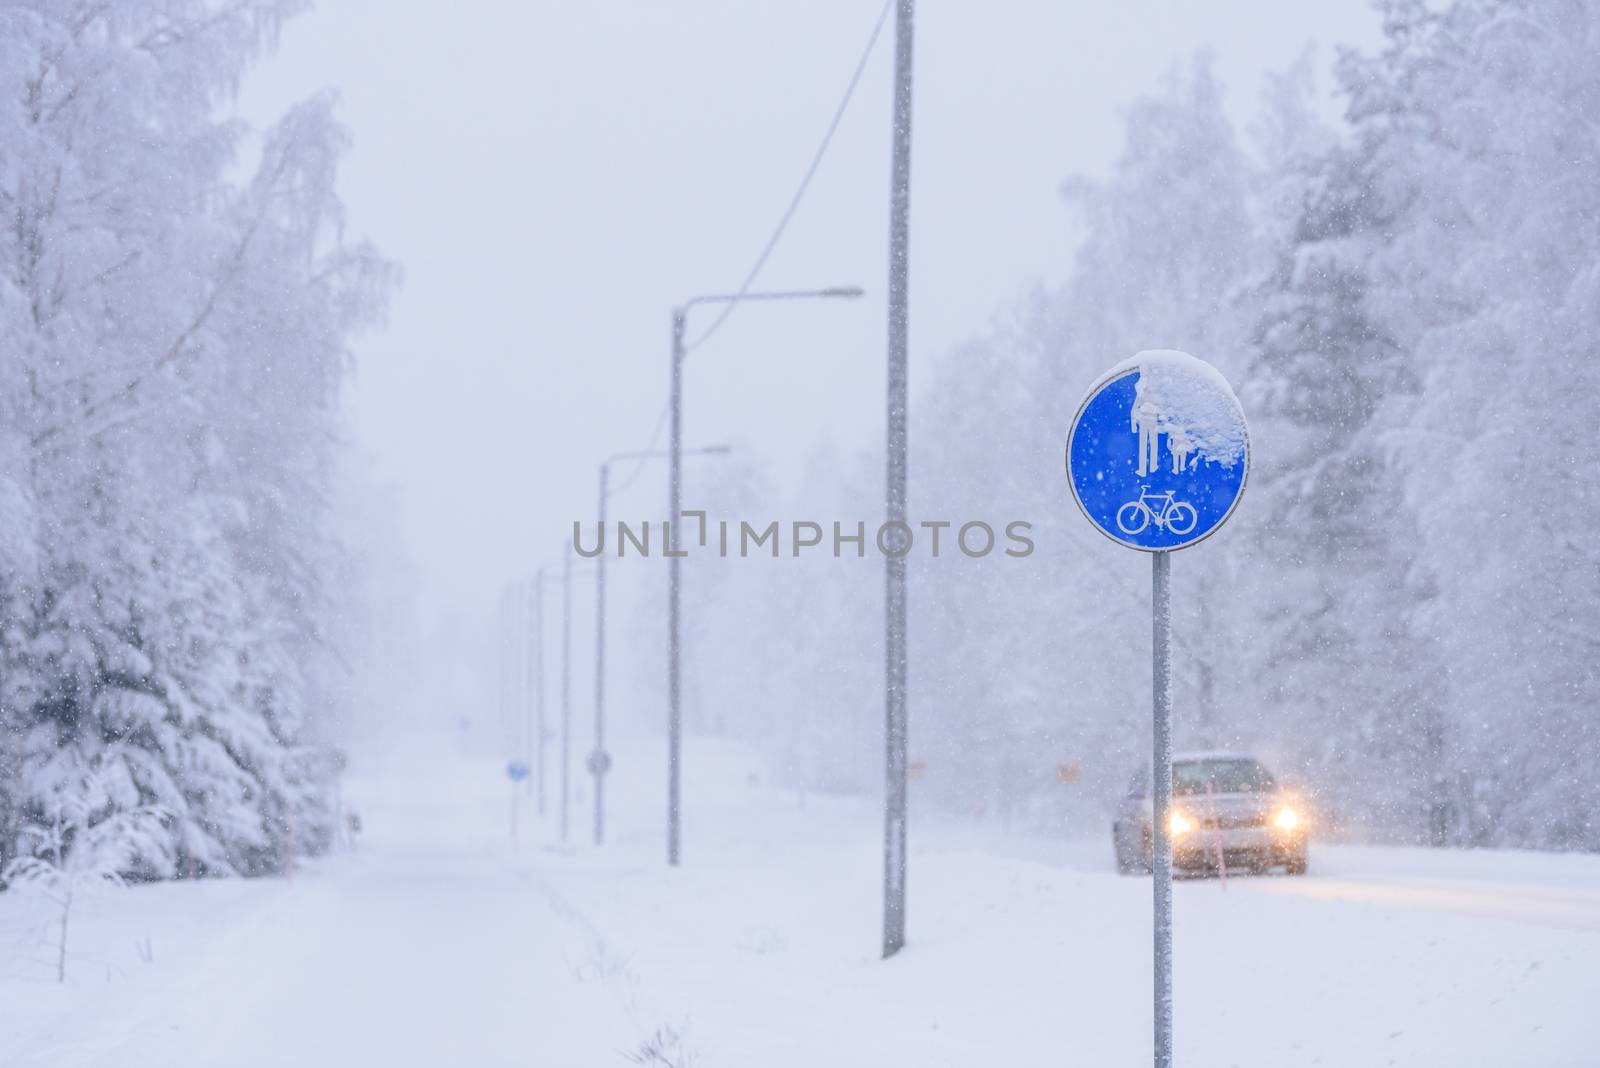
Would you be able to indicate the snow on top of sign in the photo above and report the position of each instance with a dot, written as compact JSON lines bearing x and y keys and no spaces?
{"x":1188,"y":401}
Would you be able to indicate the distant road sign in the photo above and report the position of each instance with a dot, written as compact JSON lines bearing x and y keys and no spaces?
{"x":516,"y":770}
{"x":1159,"y":452}
{"x":599,"y":762}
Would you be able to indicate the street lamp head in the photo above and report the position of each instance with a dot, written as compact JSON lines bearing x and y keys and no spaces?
{"x":847,"y":292}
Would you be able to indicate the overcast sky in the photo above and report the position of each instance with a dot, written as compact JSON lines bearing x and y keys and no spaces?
{"x":554,"y":177}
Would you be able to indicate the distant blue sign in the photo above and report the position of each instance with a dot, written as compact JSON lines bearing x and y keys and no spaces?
{"x":1159,"y":452}
{"x":516,"y":770}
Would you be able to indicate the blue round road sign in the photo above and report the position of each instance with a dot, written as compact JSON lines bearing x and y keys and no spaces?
{"x":1159,"y":452}
{"x":516,"y":770}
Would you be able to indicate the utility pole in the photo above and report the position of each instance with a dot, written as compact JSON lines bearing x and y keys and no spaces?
{"x":680,"y":318}
{"x":520,"y":666}
{"x":508,"y":647}
{"x":533,"y":681}
{"x":566,"y":690}
{"x":511,"y":719}
{"x":540,"y":733}
{"x":674,"y":511}
{"x":599,"y":760}
{"x":895,"y":711}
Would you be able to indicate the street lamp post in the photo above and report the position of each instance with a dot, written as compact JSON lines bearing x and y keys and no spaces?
{"x":541,"y":734}
{"x":599,"y":759}
{"x":895,"y":659}
{"x":566,"y":689}
{"x":680,"y":318}
{"x":599,"y":762}
{"x":536,"y":609}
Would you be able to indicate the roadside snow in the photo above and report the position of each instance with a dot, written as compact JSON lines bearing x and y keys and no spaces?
{"x":440,"y":943}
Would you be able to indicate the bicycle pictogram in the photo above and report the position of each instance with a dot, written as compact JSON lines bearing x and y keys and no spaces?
{"x":1178,"y":517}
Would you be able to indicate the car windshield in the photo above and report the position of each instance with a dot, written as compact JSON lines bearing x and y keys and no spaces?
{"x":1229,"y":776}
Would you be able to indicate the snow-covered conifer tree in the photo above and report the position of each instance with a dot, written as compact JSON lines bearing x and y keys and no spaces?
{"x":174,"y":343}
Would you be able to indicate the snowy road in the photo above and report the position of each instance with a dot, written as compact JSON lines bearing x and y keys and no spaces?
{"x":429,"y":947}
{"x":437,"y":943}
{"x":1574,"y":908}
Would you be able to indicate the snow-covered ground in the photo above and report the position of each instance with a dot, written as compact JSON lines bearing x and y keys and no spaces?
{"x":437,"y":942}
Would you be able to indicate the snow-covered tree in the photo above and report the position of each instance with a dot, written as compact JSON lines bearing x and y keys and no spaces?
{"x":1334,"y":653}
{"x":1479,"y":122}
{"x":174,"y":343}
{"x":1404,"y":612}
{"x":82,"y":846}
{"x":1023,"y":664}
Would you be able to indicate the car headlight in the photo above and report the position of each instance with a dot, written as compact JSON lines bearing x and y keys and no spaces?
{"x":1180,"y":824}
{"x":1287,"y":819}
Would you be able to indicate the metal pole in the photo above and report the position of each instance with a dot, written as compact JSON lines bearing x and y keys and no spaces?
{"x":598,"y":757}
{"x":526,"y":677}
{"x":508,"y":717}
{"x":674,"y":506}
{"x":515,"y":719}
{"x":895,"y":713}
{"x":538,"y":661}
{"x":505,"y":656}
{"x":1161,"y":798}
{"x":519,"y":663}
{"x":566,"y":690}
{"x":507,"y":651}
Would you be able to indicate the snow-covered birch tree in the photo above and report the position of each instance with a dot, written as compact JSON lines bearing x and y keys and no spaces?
{"x":173,"y":344}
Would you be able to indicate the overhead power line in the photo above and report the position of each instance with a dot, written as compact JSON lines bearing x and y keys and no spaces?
{"x":805,"y":181}
{"x":777,"y":231}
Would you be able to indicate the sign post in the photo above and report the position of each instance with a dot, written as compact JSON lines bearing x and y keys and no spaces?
{"x":516,"y":771}
{"x":1161,"y":796}
{"x":1157,"y":459}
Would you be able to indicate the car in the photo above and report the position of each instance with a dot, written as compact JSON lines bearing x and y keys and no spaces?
{"x":1228,"y":813}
